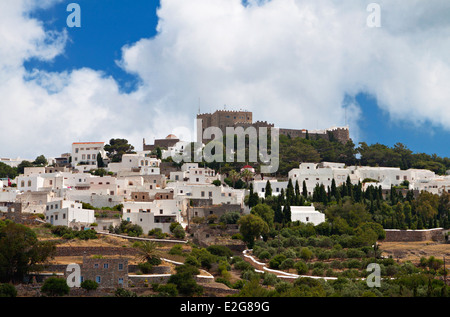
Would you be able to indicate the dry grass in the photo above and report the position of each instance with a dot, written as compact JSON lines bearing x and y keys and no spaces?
{"x":413,"y":251}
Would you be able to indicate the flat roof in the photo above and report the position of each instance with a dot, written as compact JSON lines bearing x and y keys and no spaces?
{"x":88,"y":143}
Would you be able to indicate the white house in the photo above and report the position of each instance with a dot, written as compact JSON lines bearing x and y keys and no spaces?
{"x":84,"y":155}
{"x":307,"y":214}
{"x":140,"y":163}
{"x":69,"y":214}
{"x":154,"y":214}
{"x":259,"y":186}
{"x":176,"y":150}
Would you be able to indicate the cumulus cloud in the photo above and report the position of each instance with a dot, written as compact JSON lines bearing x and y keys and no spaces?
{"x":296,"y":63}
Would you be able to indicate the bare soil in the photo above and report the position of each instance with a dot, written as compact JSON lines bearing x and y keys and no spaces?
{"x":413,"y":251}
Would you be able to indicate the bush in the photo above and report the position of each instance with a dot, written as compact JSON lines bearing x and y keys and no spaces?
{"x":179,"y":232}
{"x":145,"y":267}
{"x":287,"y":264}
{"x":353,"y":264}
{"x":89,"y":285}
{"x":158,"y":233}
{"x":122,"y":292}
{"x":220,"y":250}
{"x":54,"y":286}
{"x":7,"y":290}
{"x":270,"y":279}
{"x":355,"y":253}
{"x":230,"y":218}
{"x":301,"y":267}
{"x":243,"y":266}
{"x":264,"y":255}
{"x":306,"y":254}
{"x":185,"y":282}
{"x":238,"y":284}
{"x":167,"y":290}
{"x":176,"y":250}
{"x":276,"y":261}
{"x":224,"y":281}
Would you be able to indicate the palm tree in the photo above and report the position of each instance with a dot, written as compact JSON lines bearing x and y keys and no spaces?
{"x":247,"y":175}
{"x":234,"y":176}
{"x":147,"y":250}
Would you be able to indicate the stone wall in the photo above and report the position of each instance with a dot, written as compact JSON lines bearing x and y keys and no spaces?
{"x":80,"y":251}
{"x":393,"y":235}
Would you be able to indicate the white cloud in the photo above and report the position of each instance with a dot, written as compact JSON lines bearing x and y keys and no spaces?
{"x":291,"y":62}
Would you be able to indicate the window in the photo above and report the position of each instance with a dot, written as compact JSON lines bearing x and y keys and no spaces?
{"x":120,"y":281}
{"x":120,"y":266}
{"x":96,"y":266}
{"x":307,"y":219}
{"x":98,"y":279}
{"x":64,"y":216}
{"x":161,"y":211}
{"x":203,"y":193}
{"x":105,"y":265}
{"x":89,"y":156}
{"x":29,"y":183}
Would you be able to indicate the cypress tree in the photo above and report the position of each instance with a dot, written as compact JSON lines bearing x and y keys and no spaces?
{"x":268,"y":189}
{"x":305,"y":190}
{"x":287,"y":214}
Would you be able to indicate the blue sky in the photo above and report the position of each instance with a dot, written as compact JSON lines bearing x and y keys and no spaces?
{"x":217,"y":52}
{"x":106,"y":26}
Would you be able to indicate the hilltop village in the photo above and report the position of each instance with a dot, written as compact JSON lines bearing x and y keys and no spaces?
{"x":202,"y":213}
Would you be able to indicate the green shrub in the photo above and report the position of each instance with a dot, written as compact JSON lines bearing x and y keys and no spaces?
{"x":145,"y":267}
{"x":353,"y":264}
{"x":220,"y":250}
{"x":238,"y":284}
{"x":7,"y":290}
{"x":287,"y":264}
{"x":167,"y":290}
{"x":122,"y":292}
{"x":269,"y":279}
{"x":264,"y":255}
{"x":176,"y":250}
{"x":54,"y":286}
{"x":89,"y":285}
{"x":224,"y":281}
{"x":179,"y":232}
{"x":306,"y":254}
{"x":275,"y":262}
{"x":301,"y":267}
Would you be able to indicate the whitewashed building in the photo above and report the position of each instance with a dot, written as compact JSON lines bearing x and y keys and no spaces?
{"x":140,"y":163}
{"x":84,"y":155}
{"x":155,"y":214}
{"x":69,"y":214}
{"x":307,"y":214}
